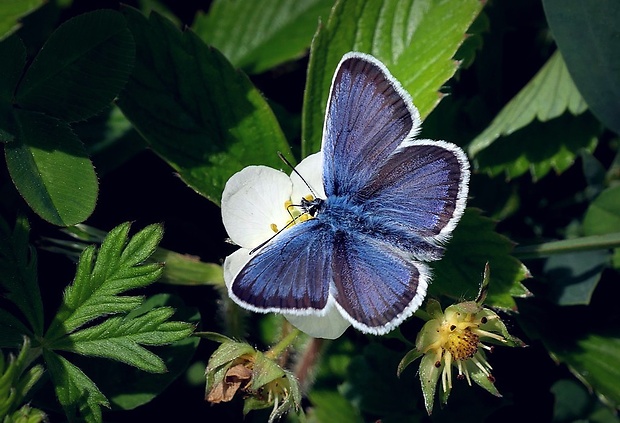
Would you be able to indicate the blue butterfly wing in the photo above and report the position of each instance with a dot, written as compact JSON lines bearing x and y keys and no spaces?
{"x":376,"y":286}
{"x":292,"y":272}
{"x":418,"y":195}
{"x":368,"y":116}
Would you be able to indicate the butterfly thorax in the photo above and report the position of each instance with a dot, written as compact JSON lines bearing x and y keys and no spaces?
{"x":341,"y":214}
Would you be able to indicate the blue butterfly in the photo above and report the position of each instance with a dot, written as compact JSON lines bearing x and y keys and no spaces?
{"x":391,"y":203}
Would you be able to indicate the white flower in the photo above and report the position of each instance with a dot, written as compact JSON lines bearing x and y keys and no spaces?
{"x":256,"y":203}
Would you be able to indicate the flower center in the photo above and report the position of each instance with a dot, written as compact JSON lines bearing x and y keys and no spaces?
{"x":462,"y":343}
{"x":296,"y":215}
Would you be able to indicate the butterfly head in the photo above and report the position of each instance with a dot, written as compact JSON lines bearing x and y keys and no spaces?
{"x":311,"y":206}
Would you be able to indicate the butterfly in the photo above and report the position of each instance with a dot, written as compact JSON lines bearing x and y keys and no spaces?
{"x":391,"y":202}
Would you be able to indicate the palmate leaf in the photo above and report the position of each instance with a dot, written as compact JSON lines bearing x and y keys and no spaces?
{"x":79,"y":71}
{"x":122,"y":327}
{"x":78,"y":394}
{"x":120,"y":338}
{"x":117,"y":267}
{"x":417,"y":41}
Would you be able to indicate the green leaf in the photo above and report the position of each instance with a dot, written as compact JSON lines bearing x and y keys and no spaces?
{"x":573,"y":277}
{"x":415,"y":39}
{"x":120,"y":338}
{"x":587,"y":339}
{"x":540,"y":147}
{"x":256,"y":38}
{"x":12,"y":330}
{"x":11,"y":70}
{"x":409,"y":358}
{"x":18,"y":280}
{"x":11,"y":11}
{"x":592,"y":57}
{"x":81,"y":68}
{"x":194,"y":109}
{"x":372,"y":385}
{"x":51,"y":170}
{"x":118,"y":267}
{"x":330,"y":406}
{"x":110,"y":140}
{"x":603,"y":215}
{"x":474,"y":243}
{"x":548,"y":95}
{"x":15,"y":380}
{"x":77,"y":393}
{"x":128,"y":388}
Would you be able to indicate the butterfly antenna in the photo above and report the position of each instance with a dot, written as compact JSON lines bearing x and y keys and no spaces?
{"x":285,"y":160}
{"x":262,"y":244}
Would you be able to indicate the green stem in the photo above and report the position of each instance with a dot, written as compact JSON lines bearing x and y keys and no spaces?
{"x":594,"y":242}
{"x":284,"y":343}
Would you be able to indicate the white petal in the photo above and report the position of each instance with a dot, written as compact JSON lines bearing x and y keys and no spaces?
{"x":329,"y":325}
{"x":252,"y":200}
{"x":234,"y":263}
{"x":311,"y":168}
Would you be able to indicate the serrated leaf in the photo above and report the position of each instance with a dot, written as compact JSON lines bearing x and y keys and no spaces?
{"x":129,"y":387}
{"x":194,"y":109}
{"x":50,"y":168}
{"x":256,"y":38}
{"x":474,"y":243}
{"x":592,"y":57}
{"x":540,"y":147}
{"x":77,"y":393}
{"x":94,"y":292}
{"x":121,"y":338}
{"x":549,"y":94}
{"x":81,"y":68}
{"x":11,"y":11}
{"x":18,"y":280}
{"x":415,"y":39}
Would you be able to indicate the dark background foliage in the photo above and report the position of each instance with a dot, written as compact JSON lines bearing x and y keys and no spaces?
{"x":514,"y":44}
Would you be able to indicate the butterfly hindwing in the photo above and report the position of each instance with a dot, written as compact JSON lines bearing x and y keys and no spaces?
{"x":376,"y":286}
{"x":368,"y":115}
{"x":291,"y":273}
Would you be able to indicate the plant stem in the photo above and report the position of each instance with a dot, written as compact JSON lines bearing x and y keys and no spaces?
{"x":284,"y":343}
{"x":594,"y":242}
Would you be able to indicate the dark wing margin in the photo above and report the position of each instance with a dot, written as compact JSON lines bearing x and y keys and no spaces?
{"x":292,"y":273}
{"x":368,"y":115}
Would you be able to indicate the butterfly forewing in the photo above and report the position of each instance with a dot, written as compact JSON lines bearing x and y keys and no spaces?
{"x":367,"y":118}
{"x":292,"y":273}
